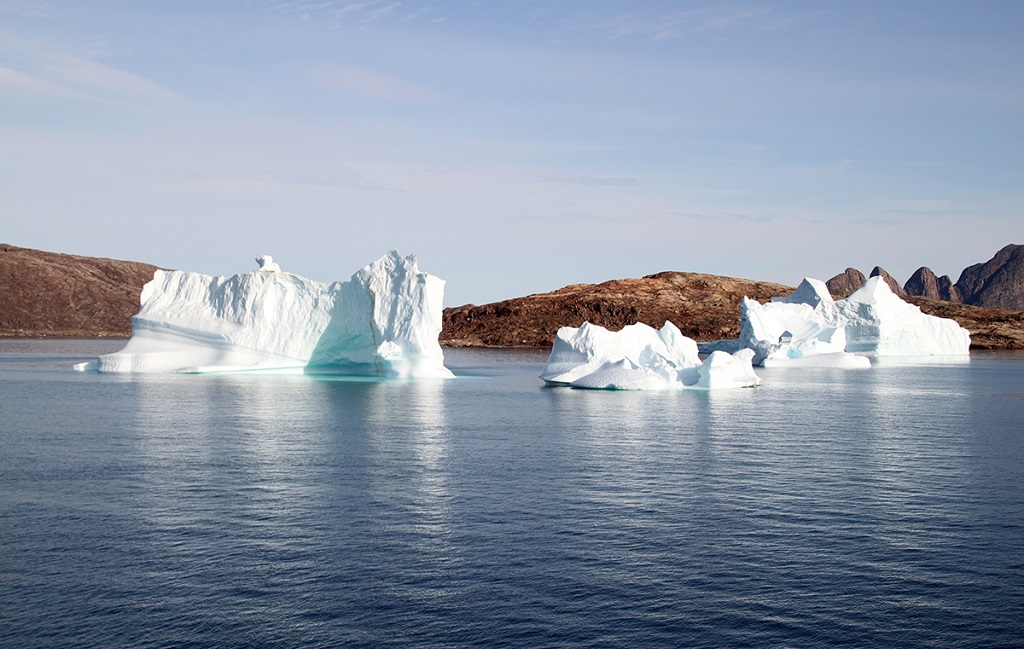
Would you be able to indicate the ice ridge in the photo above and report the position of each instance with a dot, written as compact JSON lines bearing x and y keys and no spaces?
{"x":384,"y":321}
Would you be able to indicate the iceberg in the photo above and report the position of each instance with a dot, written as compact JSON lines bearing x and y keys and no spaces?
{"x":384,"y":321}
{"x":809,"y":328}
{"x":640,"y":357}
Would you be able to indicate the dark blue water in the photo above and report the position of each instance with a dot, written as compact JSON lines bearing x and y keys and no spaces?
{"x":880,"y":508}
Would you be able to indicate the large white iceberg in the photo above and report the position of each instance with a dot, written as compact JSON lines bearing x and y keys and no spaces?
{"x":810,"y":328}
{"x":384,"y":321}
{"x":639,"y":357}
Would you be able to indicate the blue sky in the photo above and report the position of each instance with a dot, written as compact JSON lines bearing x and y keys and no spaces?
{"x":515,"y":147}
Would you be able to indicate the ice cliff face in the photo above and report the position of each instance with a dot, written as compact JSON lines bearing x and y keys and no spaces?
{"x":639,"y":357}
{"x":384,"y":321}
{"x":810,"y":328}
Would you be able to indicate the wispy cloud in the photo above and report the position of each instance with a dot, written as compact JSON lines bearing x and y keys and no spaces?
{"x":24,"y":8}
{"x":728,"y":217}
{"x":592,"y":181}
{"x":359,"y":12}
{"x":931,"y":207}
{"x":39,"y":71}
{"x":20,"y":83}
{"x":720,"y":17}
{"x":380,"y":12}
{"x":369,"y":84}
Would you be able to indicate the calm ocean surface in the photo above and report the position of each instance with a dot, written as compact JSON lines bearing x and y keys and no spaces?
{"x":826,"y":508}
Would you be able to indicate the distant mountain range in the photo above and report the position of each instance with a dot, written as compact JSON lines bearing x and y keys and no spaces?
{"x":52,"y":294}
{"x":997,"y":283}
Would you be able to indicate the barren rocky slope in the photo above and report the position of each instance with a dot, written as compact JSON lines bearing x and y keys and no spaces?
{"x":704,"y":307}
{"x":999,"y":282}
{"x":51,"y":294}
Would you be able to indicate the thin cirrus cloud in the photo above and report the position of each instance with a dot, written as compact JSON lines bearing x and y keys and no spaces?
{"x":591,"y":181}
{"x":369,"y":84}
{"x":21,"y":83}
{"x":37,"y":71}
{"x":664,"y":26}
{"x":359,"y":12}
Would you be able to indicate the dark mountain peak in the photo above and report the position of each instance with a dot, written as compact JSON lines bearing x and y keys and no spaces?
{"x":845,"y":283}
{"x":923,"y":282}
{"x":999,"y":282}
{"x":948,"y":291}
{"x":878,"y":271}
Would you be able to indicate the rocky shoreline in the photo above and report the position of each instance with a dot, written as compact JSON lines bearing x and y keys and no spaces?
{"x":52,"y":295}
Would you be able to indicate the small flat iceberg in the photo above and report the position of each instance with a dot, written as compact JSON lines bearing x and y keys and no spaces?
{"x":810,"y":329}
{"x":639,"y":357}
{"x":384,"y":321}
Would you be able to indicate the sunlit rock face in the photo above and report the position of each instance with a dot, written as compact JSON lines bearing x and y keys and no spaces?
{"x":384,"y":321}
{"x":810,"y":328}
{"x":639,"y":357}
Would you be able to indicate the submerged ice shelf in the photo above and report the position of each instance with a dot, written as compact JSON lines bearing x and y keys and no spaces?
{"x":639,"y":357}
{"x":384,"y":321}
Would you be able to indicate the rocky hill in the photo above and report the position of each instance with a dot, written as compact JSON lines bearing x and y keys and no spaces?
{"x":851,"y":279}
{"x":845,"y":283}
{"x":51,"y":294}
{"x":999,"y":282}
{"x":996,"y":283}
{"x":704,"y":307}
{"x":925,"y":283}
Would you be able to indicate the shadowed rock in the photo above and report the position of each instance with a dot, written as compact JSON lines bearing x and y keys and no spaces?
{"x":878,"y":271}
{"x":949,"y":291}
{"x":998,"y":282}
{"x":924,"y":283}
{"x":845,"y":283}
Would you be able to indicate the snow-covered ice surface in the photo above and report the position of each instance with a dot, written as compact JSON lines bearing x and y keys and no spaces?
{"x":809,"y":328}
{"x":639,"y":357}
{"x":384,"y":321}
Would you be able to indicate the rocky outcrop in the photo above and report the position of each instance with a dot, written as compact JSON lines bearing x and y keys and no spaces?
{"x":704,"y":307}
{"x":878,"y":271}
{"x":924,"y":283}
{"x":851,"y":279}
{"x":44,"y":293}
{"x":845,"y":283}
{"x":949,"y":291}
{"x":999,"y":282}
{"x":51,"y":294}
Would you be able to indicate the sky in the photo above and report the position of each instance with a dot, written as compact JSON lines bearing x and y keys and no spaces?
{"x":515,"y":146}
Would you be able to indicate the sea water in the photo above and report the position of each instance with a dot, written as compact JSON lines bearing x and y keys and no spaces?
{"x":825,"y":508}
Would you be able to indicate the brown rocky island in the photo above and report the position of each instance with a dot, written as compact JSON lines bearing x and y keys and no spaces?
{"x":51,"y":294}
